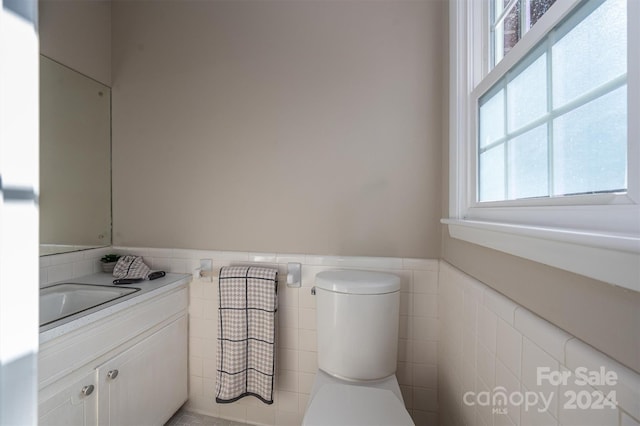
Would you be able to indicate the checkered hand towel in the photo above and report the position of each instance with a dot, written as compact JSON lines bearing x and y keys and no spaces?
{"x":246,"y":333}
{"x":131,"y":267}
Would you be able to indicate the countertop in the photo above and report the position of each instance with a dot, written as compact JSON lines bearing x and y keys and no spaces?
{"x":148,"y":290}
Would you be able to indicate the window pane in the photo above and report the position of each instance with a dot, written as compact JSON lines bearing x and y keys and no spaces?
{"x":527,"y":94}
{"x":492,"y":174}
{"x":511,"y":27}
{"x":492,"y":119}
{"x":528,"y":165}
{"x":590,"y":146}
{"x":591,"y":54}
{"x":537,"y":8}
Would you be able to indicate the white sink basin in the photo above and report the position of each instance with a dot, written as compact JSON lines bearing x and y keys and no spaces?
{"x":62,"y":300}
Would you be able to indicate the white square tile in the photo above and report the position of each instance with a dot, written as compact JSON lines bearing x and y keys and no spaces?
{"x":287,"y":296}
{"x":305,"y":382}
{"x":407,"y":396}
{"x":469,"y":314}
{"x":487,"y":328}
{"x":404,"y":373}
{"x":486,"y":365}
{"x":288,"y":380}
{"x":287,"y":338}
{"x":196,"y":385}
{"x":424,"y":328}
{"x":425,"y":376}
{"x":307,"y":319}
{"x":308,"y":361}
{"x":83,"y":267}
{"x":196,"y":346}
{"x":571,"y":413}
{"x":425,"y":282}
{"x":469,"y":348}
{"x":285,"y":418}
{"x":534,"y":360}
{"x":590,"y":361}
{"x":195,"y":366}
{"x":210,"y":347}
{"x":60,"y":272}
{"x":287,"y":359}
{"x":303,"y":402}
{"x":626,"y":420}
{"x":425,"y":305}
{"x":425,"y":399}
{"x":424,"y":351}
{"x":509,"y":347}
{"x":499,"y":304}
{"x":544,"y":334}
{"x":210,"y":309}
{"x":405,"y":353}
{"x":306,"y":299}
{"x":287,"y":401}
{"x":308,"y":340}
{"x":288,"y":317}
{"x":507,"y":380}
{"x":233,"y":411}
{"x":536,"y":416}
{"x":264,"y":414}
{"x":406,"y":303}
{"x":209,"y":368}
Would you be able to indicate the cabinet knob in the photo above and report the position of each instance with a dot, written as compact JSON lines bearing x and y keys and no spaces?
{"x":87,"y":390}
{"x":112,"y":374}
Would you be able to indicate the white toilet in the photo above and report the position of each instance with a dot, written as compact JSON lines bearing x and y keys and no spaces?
{"x":358,"y":315}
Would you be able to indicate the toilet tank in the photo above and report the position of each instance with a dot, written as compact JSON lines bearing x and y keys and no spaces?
{"x":358,"y":314}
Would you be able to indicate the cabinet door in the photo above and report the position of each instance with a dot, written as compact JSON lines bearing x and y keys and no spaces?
{"x":76,"y":404}
{"x":147,"y":383}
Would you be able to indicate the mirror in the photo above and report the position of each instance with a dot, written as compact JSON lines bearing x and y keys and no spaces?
{"x":75,"y":160}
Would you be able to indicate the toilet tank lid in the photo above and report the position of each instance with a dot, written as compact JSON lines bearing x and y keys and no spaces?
{"x":358,"y":282}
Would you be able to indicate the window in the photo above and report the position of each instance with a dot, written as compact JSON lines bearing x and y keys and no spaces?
{"x":556,"y":124}
{"x":544,"y":151}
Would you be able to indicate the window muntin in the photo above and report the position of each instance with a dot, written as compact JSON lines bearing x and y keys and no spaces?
{"x":560,"y":132}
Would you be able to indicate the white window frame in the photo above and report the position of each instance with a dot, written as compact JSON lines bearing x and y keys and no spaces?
{"x":593,"y":235}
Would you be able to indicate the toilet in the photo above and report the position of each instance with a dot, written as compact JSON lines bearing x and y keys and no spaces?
{"x":358,"y":314}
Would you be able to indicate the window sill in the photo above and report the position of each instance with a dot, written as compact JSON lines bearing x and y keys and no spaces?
{"x":612,"y":258}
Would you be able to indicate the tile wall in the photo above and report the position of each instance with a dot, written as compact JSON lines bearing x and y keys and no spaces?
{"x":487,"y":341}
{"x":296,"y":356}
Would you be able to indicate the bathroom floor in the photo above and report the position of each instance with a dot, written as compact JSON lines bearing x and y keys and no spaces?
{"x":187,"y":418}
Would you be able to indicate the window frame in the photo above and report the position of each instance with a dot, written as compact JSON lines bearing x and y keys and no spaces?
{"x":573,"y":232}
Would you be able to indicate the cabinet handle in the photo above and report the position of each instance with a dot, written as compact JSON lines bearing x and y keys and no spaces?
{"x":112,"y":374}
{"x":87,"y":390}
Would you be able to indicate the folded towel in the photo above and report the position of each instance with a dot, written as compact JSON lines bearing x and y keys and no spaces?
{"x":246,"y":333}
{"x":131,"y":267}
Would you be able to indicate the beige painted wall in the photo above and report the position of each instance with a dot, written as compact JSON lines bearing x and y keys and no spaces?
{"x":77,"y":33}
{"x":280,"y":126}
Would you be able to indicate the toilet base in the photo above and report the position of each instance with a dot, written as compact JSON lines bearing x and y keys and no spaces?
{"x":339,"y":402}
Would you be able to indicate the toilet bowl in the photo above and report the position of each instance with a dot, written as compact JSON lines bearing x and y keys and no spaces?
{"x":357,"y":321}
{"x":336,"y":402}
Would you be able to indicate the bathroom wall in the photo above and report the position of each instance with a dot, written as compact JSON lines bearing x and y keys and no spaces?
{"x":490,"y":344}
{"x":77,"y":34}
{"x":310,"y":127}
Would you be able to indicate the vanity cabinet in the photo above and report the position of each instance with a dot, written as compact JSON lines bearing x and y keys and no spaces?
{"x":128,"y":369}
{"x":74,"y":404}
{"x":140,"y":386}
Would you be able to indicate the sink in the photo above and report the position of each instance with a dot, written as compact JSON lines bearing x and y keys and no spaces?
{"x":63,"y":300}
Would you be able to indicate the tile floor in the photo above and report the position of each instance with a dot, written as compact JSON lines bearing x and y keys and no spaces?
{"x":187,"y":418}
